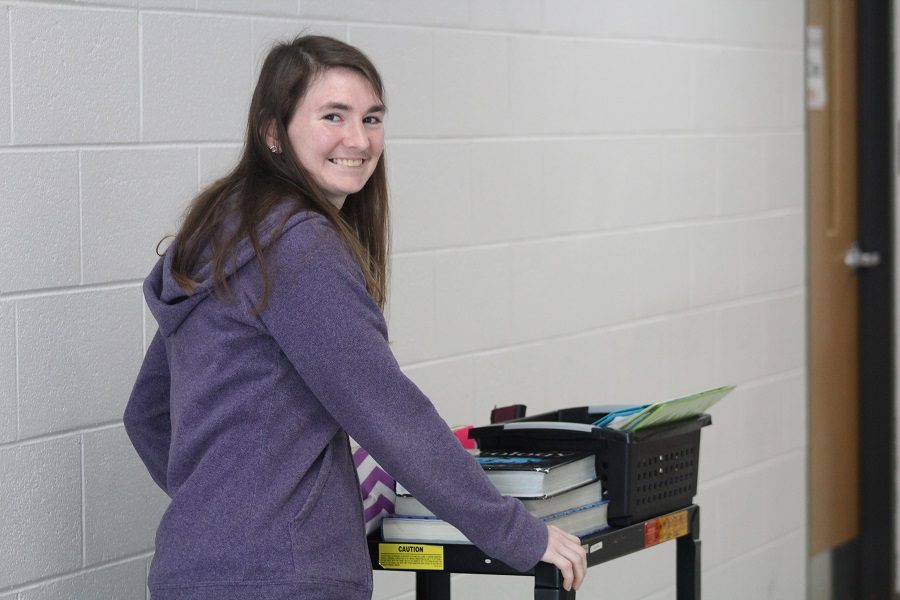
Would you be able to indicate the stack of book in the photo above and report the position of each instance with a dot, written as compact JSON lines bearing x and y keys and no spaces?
{"x":559,"y":487}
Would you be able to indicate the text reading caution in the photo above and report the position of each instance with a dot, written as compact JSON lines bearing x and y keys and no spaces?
{"x":411,"y":556}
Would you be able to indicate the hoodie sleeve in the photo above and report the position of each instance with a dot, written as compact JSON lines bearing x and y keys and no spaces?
{"x":334,"y":334}
{"x":147,"y":413}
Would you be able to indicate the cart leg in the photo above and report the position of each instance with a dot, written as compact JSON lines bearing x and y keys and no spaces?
{"x":548,"y":584}
{"x":432,"y":585}
{"x":688,"y":568}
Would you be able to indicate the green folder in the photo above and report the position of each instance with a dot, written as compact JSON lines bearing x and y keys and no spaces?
{"x":674,"y":410}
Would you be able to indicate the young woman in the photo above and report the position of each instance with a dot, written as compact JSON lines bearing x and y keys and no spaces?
{"x":272,"y":348}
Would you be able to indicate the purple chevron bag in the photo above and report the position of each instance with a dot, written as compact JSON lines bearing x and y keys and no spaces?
{"x":376,"y":488}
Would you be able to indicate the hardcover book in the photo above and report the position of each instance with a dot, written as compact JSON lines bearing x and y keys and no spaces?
{"x":578,"y":521}
{"x":589,"y":493}
{"x":534,"y":474}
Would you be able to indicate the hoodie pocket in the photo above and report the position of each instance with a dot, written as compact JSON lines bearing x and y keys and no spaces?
{"x":327,"y":535}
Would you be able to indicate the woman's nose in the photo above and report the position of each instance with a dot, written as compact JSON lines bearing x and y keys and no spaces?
{"x":356,"y":136}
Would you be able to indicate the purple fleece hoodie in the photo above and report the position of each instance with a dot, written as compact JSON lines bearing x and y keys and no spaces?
{"x":241,"y":419}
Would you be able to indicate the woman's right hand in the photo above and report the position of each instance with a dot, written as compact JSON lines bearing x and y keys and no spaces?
{"x":565,"y":552}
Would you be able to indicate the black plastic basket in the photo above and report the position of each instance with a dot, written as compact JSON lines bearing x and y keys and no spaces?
{"x":645,"y":473}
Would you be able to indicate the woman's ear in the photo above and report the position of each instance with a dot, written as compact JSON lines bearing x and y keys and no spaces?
{"x":272,"y":138}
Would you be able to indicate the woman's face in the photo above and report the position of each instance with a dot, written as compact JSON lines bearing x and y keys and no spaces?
{"x":337,"y":132}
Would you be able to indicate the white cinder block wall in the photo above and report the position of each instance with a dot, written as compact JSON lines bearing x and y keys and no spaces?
{"x":594,"y":201}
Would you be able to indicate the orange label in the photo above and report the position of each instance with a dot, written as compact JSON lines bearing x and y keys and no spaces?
{"x":663,"y":529}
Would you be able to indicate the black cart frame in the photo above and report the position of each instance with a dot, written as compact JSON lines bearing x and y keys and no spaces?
{"x":606,"y":545}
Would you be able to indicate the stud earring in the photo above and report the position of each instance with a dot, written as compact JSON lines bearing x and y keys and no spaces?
{"x":274,"y":149}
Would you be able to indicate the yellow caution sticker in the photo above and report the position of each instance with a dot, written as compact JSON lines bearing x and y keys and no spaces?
{"x":663,"y":529}
{"x":419,"y":557}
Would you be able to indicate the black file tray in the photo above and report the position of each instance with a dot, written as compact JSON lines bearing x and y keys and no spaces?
{"x":645,"y":473}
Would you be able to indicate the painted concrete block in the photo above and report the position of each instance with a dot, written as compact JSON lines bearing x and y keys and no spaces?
{"x":741,"y":174}
{"x":623,"y":86}
{"x":507,"y":202}
{"x":268,"y":32}
{"x":346,"y":10}
{"x":763,"y":438}
{"x":75,"y":75}
{"x":635,"y":351}
{"x":411,"y":313}
{"x":41,"y":502}
{"x":786,"y":333}
{"x":633,"y":576}
{"x":774,"y":255}
{"x":716,"y":251}
{"x":256,"y":7}
{"x":132,"y":199}
{"x":688,"y":179}
{"x":793,"y":65}
{"x":5,"y":121}
{"x":430,"y":12}
{"x":182,"y":4}
{"x":62,"y":338}
{"x":473,"y":299}
{"x":738,"y":89}
{"x":663,"y":281}
{"x":404,"y":58}
{"x":196,"y":75}
{"x":124,"y":3}
{"x":118,"y":582}
{"x":496,"y":587}
{"x":606,"y":272}
{"x":449,"y":384}
{"x":667,"y":19}
{"x":122,"y":505}
{"x":470,"y":101}
{"x":40,"y":221}
{"x":573,"y":175}
{"x":577,"y":369}
{"x":388,"y":585}
{"x":785,"y":23}
{"x":786,"y":502}
{"x":777,"y":570}
{"x":578,"y":17}
{"x":543,"y":97}
{"x":631,"y":185}
{"x":740,"y":495}
{"x":216,"y":162}
{"x":741,"y":344}
{"x":513,"y":376}
{"x":544,"y":289}
{"x":744,"y":22}
{"x":8,"y":378}
{"x":430,"y":192}
{"x":785,"y":168}
{"x":505,"y":15}
{"x":690,"y":354}
{"x":795,"y":408}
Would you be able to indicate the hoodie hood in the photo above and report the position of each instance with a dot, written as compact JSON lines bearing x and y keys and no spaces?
{"x":170,"y":304}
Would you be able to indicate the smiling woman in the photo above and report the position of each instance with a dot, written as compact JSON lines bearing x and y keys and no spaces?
{"x":337,"y":133}
{"x":272,"y":348}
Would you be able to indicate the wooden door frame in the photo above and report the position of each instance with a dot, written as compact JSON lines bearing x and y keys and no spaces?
{"x":876,"y":301}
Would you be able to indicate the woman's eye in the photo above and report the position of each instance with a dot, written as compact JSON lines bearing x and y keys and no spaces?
{"x":372,"y":120}
{"x":332,"y":117}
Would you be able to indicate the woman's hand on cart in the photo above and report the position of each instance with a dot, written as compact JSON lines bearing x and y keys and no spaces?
{"x":564,"y":550}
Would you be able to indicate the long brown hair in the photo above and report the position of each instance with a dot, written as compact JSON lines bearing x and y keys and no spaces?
{"x":264,"y":180}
